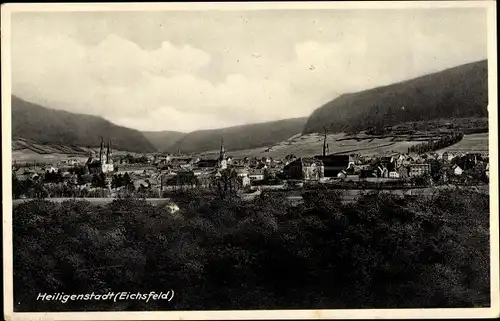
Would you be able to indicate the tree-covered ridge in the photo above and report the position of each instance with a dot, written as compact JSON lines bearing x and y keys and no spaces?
{"x":459,"y":92}
{"x":163,"y":140}
{"x":384,"y":251}
{"x":240,"y":137}
{"x":50,"y":126}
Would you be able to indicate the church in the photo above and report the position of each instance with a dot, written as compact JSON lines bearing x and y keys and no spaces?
{"x":102,"y":165}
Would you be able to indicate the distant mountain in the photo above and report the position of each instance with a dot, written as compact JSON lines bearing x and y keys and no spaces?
{"x":240,"y":137}
{"x":56,"y":127}
{"x":453,"y":93}
{"x":163,"y":140}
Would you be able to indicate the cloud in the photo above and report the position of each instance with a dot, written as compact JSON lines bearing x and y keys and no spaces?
{"x":180,"y":86}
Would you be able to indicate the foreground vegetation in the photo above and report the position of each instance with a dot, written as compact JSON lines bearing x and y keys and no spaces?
{"x":382,"y":252}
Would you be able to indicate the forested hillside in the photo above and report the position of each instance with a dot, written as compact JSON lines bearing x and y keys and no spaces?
{"x":453,"y":93}
{"x":240,"y":137}
{"x":57,"y":127}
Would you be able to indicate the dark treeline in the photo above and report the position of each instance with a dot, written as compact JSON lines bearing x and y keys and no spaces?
{"x":382,"y":252}
{"x":433,"y":145}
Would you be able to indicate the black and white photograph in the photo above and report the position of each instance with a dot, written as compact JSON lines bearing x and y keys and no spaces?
{"x":250,"y":160}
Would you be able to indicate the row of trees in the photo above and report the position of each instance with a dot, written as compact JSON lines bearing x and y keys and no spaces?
{"x":266,"y":254}
{"x":130,"y":159}
{"x":432,"y":145}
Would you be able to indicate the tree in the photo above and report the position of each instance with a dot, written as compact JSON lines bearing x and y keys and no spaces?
{"x":127,"y":182}
{"x":99,"y":180}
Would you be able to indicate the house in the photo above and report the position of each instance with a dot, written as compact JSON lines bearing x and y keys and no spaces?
{"x":51,"y":169}
{"x":244,"y":181}
{"x":172,"y":208}
{"x":447,"y":156}
{"x":389,"y":163}
{"x":183,"y":162}
{"x":241,"y":172}
{"x":394,"y":174}
{"x":208,"y":163}
{"x":382,"y":171}
{"x":256,"y":175}
{"x":419,"y":169}
{"x":306,"y":168}
{"x":334,"y":164}
{"x":457,"y":170}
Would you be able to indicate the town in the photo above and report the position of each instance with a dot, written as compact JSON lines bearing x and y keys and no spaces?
{"x":105,"y":175}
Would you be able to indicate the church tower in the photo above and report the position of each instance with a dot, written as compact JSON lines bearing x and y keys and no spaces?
{"x":107,"y":164}
{"x":222,"y":153}
{"x":108,"y":154}
{"x":325,"y":145}
{"x":222,"y":156}
{"x":101,"y":150}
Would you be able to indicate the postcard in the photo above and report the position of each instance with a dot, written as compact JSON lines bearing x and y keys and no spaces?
{"x":259,"y":160}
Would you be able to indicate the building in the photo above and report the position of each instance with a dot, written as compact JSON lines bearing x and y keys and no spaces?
{"x":394,"y":174}
{"x":305,"y":168}
{"x":102,"y":165}
{"x":241,"y":172}
{"x":107,"y":161}
{"x":222,"y":156}
{"x":419,"y":169}
{"x":244,"y":181}
{"x":256,"y":175}
{"x":457,"y":170}
{"x":382,"y":171}
{"x":334,"y":164}
{"x":208,"y":163}
{"x":447,"y":156}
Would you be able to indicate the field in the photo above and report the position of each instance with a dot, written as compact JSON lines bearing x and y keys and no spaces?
{"x":470,"y":143}
{"x":312,"y":144}
{"x":28,"y":155}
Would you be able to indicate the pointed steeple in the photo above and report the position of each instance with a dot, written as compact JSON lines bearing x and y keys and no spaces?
{"x":222,"y":154}
{"x":108,"y":152}
{"x":101,"y":150}
{"x":324,"y":143}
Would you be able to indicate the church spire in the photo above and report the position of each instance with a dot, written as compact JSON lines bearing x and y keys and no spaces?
{"x":324,"y":143}
{"x":108,"y":151}
{"x":222,"y":154}
{"x":101,"y":150}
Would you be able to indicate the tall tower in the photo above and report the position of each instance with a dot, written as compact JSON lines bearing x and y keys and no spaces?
{"x":222,"y":153}
{"x":101,"y":150}
{"x":222,"y":156}
{"x":108,"y":153}
{"x":324,"y":143}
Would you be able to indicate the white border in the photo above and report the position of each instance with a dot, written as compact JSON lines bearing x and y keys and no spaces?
{"x":491,"y":312}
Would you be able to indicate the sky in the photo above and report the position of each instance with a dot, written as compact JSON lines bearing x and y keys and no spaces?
{"x":190,"y":70}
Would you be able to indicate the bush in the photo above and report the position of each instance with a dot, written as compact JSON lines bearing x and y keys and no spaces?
{"x":265,"y":254}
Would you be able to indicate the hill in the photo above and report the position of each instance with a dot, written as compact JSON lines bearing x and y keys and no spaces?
{"x":240,"y":137}
{"x":56,"y":127}
{"x":457,"y":92}
{"x":163,"y":140}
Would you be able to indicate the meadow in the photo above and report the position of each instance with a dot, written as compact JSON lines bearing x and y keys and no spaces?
{"x":472,"y":143}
